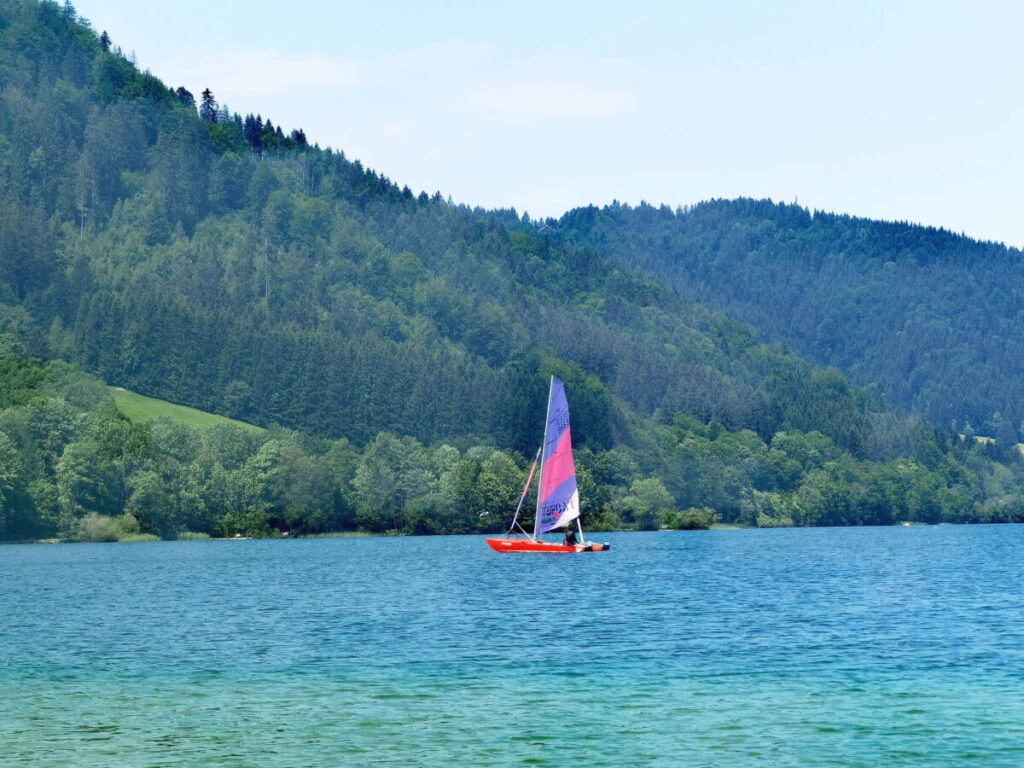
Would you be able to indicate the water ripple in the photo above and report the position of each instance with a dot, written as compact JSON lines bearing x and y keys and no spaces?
{"x":841,"y":647}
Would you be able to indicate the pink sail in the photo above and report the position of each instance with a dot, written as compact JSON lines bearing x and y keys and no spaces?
{"x":558,"y":502}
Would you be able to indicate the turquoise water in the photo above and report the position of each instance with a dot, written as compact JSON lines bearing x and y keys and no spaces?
{"x":831,"y":647}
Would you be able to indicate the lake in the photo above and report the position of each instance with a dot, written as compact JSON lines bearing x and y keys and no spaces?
{"x":831,"y":647}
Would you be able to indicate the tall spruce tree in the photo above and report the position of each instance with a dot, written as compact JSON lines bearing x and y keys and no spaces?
{"x":208,"y":108}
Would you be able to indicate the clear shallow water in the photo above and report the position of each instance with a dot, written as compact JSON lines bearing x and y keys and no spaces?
{"x":832,"y":647}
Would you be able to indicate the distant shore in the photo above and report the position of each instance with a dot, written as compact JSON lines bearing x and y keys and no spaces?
{"x":137,"y":540}
{"x":386,"y":534}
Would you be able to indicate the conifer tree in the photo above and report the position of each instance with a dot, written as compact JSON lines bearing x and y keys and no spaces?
{"x":208,"y":109}
{"x":185,"y":97}
{"x":253,"y":130}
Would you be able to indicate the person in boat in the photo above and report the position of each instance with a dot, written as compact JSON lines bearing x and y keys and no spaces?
{"x":570,"y":537}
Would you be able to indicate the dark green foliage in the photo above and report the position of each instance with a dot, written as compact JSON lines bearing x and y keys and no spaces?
{"x":224,"y":263}
{"x":20,"y":380}
{"x":689,"y":519}
{"x":208,"y":107}
{"x":185,"y":97}
{"x":929,"y":319}
{"x":83,"y":471}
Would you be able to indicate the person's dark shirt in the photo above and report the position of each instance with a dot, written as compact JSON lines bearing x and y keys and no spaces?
{"x":570,"y":538}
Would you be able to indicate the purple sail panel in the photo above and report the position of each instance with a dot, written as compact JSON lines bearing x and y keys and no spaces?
{"x":558,"y":502}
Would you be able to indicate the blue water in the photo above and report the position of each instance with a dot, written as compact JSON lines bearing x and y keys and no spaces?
{"x":831,"y":647}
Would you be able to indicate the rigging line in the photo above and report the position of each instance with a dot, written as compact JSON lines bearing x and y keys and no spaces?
{"x":526,"y":490}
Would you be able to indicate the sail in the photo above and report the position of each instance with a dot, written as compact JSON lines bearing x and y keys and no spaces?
{"x":558,"y":502}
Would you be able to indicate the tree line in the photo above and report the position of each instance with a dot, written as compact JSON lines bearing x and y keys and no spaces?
{"x":72,"y":466}
{"x":157,"y":244}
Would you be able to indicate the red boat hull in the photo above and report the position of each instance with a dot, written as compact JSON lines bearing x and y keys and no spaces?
{"x":539,"y":545}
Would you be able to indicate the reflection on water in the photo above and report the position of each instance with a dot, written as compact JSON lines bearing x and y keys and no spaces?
{"x":847,"y":647}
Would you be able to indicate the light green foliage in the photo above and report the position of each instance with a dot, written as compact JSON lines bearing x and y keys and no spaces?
{"x":94,"y":527}
{"x":119,"y":438}
{"x":172,"y":443}
{"x":765,"y":509}
{"x":498,"y":488}
{"x":652,"y":493}
{"x":192,"y":536}
{"x":78,"y":389}
{"x":71,"y":472}
{"x":228,"y":445}
{"x":290,"y":484}
{"x":51,"y":425}
{"x":809,"y":450}
{"x":141,"y":408}
{"x":646,"y":501}
{"x":392,"y":471}
{"x":86,"y":483}
{"x":44,"y":501}
{"x":139,"y":537}
{"x":150,"y":502}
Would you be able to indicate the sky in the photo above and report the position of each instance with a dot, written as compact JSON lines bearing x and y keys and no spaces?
{"x":908,"y":111}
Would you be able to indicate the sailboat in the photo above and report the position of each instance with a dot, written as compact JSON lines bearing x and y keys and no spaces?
{"x":558,"y":498}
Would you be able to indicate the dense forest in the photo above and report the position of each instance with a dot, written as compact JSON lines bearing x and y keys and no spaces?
{"x":397,"y":345}
{"x":931,"y":321}
{"x":72,"y":466}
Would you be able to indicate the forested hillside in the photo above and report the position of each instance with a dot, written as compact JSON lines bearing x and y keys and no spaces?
{"x":931,"y":320}
{"x":167,"y":245}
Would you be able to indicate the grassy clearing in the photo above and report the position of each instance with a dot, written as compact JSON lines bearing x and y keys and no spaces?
{"x":137,"y":537}
{"x":141,"y":408}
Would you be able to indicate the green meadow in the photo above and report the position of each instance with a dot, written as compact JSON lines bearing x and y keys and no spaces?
{"x":141,"y":408}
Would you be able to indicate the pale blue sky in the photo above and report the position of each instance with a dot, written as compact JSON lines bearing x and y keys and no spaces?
{"x":909,"y":111}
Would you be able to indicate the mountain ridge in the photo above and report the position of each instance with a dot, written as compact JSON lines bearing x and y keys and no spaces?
{"x":214,"y":260}
{"x":929,"y":318}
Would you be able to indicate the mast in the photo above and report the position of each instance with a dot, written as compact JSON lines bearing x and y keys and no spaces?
{"x":543,"y":446}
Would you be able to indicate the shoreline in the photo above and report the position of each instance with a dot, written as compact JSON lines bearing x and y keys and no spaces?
{"x":392,"y":534}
